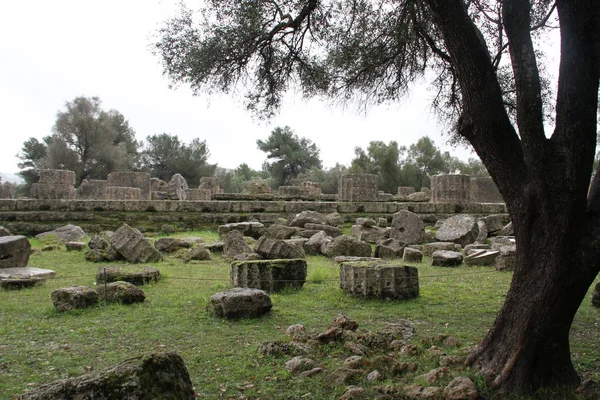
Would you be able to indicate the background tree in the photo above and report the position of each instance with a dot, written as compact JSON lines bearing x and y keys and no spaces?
{"x":427,"y":159}
{"x":90,"y":141}
{"x":290,"y":155}
{"x":372,"y":51}
{"x":380,"y":159}
{"x":327,"y":178}
{"x":32,"y":152}
{"x":165,"y":155}
{"x":235,"y":181}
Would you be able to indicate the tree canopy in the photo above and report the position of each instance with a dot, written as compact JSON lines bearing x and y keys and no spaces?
{"x":165,"y":155}
{"x":290,"y":155}
{"x":490,"y":82}
{"x":85,"y":139}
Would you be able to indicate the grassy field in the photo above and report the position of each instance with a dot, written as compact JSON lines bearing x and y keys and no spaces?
{"x":38,"y":344}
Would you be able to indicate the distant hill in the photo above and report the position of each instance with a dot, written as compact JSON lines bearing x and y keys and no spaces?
{"x":11,"y":177}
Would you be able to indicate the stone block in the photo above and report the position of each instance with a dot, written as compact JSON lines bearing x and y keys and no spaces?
{"x":155,"y":195}
{"x":370,"y":234}
{"x":45,"y":191}
{"x":461,"y":229}
{"x":251,"y":229}
{"x":358,"y":187}
{"x":92,"y":189}
{"x":345,"y":245}
{"x":136,"y":275}
{"x":271,"y":248}
{"x":389,"y":249}
{"x":429,"y":248}
{"x":122,"y":193}
{"x":451,"y":189}
{"x":269,"y":275}
{"x":158,"y":185}
{"x":258,"y":186}
{"x":295,"y":192}
{"x":72,"y":298}
{"x":67,"y":233}
{"x":484,"y":190}
{"x":14,"y":251}
{"x":295,"y":207}
{"x":150,"y":377}
{"x":412,"y":255}
{"x":407,"y":227}
{"x":405,"y":190}
{"x":132,"y":245}
{"x":240,"y":303}
{"x":121,"y":292}
{"x":177,"y":188}
{"x":379,"y":280}
{"x":329,"y":230}
{"x":56,"y":177}
{"x":482,"y":257}
{"x":198,"y":194}
{"x":210,"y":183}
{"x":446,"y":258}
{"x":140,"y":180}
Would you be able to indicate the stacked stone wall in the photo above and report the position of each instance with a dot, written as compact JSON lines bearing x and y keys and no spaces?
{"x":358,"y":187}
{"x":451,"y":189}
{"x":140,"y":180}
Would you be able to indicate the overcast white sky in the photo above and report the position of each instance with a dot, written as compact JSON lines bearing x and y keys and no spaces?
{"x":54,"y":51}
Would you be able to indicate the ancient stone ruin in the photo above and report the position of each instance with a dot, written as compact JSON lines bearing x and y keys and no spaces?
{"x":140,"y":180}
{"x":358,"y":187}
{"x":379,"y":280}
{"x":451,"y":189}
{"x":54,"y":184}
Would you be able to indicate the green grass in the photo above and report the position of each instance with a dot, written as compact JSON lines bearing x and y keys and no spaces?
{"x":38,"y":344}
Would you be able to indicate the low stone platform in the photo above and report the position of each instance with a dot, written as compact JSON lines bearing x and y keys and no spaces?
{"x":379,"y":280}
{"x":26,"y":272}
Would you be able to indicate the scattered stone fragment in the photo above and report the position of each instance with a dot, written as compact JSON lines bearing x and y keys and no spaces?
{"x":353,"y":393}
{"x":197,"y":254}
{"x":507,"y":230}
{"x":74,"y":246}
{"x":137,"y":275}
{"x":274,"y":249}
{"x":461,"y":229}
{"x":97,"y":242}
{"x":275,"y":348}
{"x":14,"y":251}
{"x":345,"y":245}
{"x":470,"y":248}
{"x":18,"y":283}
{"x":329,"y":230}
{"x":308,"y":217}
{"x":330,"y":335}
{"x":354,"y":362}
{"x":374,"y":376}
{"x":409,"y":350}
{"x":151,"y":377}
{"x":300,"y":364}
{"x":234,"y":244}
{"x":171,"y":245}
{"x":482,"y":257}
{"x":419,"y":197}
{"x":312,"y":372}
{"x":435,"y":375}
{"x":75,"y":297}
{"x":589,"y":388}
{"x":507,"y":259}
{"x":483,"y":232}
{"x":344,"y":323}
{"x":446,"y":258}
{"x":132,"y":245}
{"x":334,"y":219}
{"x":121,"y":292}
{"x":429,"y":248}
{"x":251,"y":229}
{"x":282,"y":232}
{"x":317,"y":243}
{"x":413,"y":392}
{"x":296,"y":331}
{"x":412,"y":255}
{"x":452,"y":361}
{"x":240,"y":303}
{"x":269,"y":275}
{"x":177,"y":188}
{"x":370,"y":234}
{"x":67,"y":233}
{"x":407,"y":227}
{"x":461,"y":388}
{"x":356,"y":348}
{"x":390,"y":249}
{"x":344,"y":259}
{"x":342,"y":376}
{"x":215,"y":247}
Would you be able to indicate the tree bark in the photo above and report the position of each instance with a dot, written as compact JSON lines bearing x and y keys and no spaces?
{"x":544,"y":183}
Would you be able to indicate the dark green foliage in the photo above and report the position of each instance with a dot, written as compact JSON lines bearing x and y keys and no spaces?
{"x":290,"y":155}
{"x":165,"y":155}
{"x":380,"y":159}
{"x":235,"y":181}
{"x":327,"y":178}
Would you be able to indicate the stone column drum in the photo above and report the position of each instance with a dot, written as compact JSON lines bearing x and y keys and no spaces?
{"x":379,"y":280}
{"x":451,"y":189}
{"x":358,"y":187}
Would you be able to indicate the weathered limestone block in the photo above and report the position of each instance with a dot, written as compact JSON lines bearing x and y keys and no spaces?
{"x":334,"y":219}
{"x":429,"y":248}
{"x":270,"y":248}
{"x":412,"y":255}
{"x":133,"y":274}
{"x":121,"y":292}
{"x":14,"y":251}
{"x":151,"y":377}
{"x":198,"y":194}
{"x":210,"y":183}
{"x":140,"y":180}
{"x":390,"y":248}
{"x":405,"y":190}
{"x":295,"y":192}
{"x":258,"y":186}
{"x":358,"y":187}
{"x":507,"y":230}
{"x":158,"y":185}
{"x":370,"y":234}
{"x":379,"y":280}
{"x":24,"y":277}
{"x":269,"y":275}
{"x":419,"y":197}
{"x":482,"y":257}
{"x":317,"y":243}
{"x":282,"y":232}
{"x":171,"y":245}
{"x":234,"y":244}
{"x":367,"y":222}
{"x":314,"y":188}
{"x":407,"y":227}
{"x":75,"y":246}
{"x":329,"y":230}
{"x":472,"y":248}
{"x":177,"y":188}
{"x":451,"y":189}
{"x":132,"y":245}
{"x":92,"y":189}
{"x":67,"y":233}
{"x":308,"y":217}
{"x":159,"y":195}
{"x":45,"y":191}
{"x":495,"y":223}
{"x":446,"y":258}
{"x":507,"y":259}
{"x":251,"y":229}
{"x":56,"y":177}
{"x":240,"y":303}
{"x":75,"y":297}
{"x":484,"y":190}
{"x":345,"y":245}
{"x":461,"y":229}
{"x":123,"y":193}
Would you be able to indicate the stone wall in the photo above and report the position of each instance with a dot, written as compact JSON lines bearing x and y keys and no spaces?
{"x":92,"y":189}
{"x":30,"y":217}
{"x":451,"y":189}
{"x":140,"y":180}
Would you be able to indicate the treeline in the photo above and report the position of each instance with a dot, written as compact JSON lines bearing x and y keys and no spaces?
{"x":94,"y":142}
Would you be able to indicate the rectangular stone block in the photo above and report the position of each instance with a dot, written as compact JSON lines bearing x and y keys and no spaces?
{"x":258,"y":206}
{"x":92,"y":189}
{"x":295,"y":207}
{"x":56,"y":177}
{"x":140,"y":180}
{"x":52,"y":191}
{"x":204,"y":206}
{"x":8,"y":205}
{"x":123,"y":193}
{"x":198,"y":195}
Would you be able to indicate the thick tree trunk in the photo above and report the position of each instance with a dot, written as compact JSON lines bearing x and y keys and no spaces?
{"x":528,"y":345}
